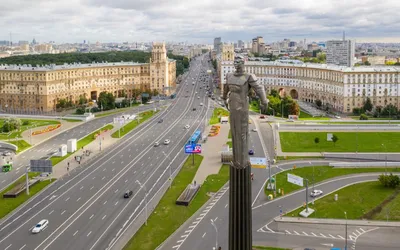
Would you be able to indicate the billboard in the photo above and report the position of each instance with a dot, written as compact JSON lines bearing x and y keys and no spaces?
{"x":258,"y":162}
{"x":193,"y":148}
{"x":42,"y":166}
{"x":295,"y":179}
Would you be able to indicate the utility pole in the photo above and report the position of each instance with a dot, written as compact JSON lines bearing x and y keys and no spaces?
{"x":306,"y":195}
{"x":27,"y":179}
{"x":345,"y":247}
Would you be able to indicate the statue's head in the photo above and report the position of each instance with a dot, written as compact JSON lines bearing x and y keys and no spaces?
{"x":239,"y":65}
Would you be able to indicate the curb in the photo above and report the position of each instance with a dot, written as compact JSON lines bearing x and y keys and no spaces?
{"x":299,"y":220}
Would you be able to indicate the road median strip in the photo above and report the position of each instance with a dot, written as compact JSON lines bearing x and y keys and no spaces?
{"x":144,"y":116}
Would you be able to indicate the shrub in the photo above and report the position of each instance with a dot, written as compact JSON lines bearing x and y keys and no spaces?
{"x":26,"y":122}
{"x":391,"y":180}
{"x":80,"y":111}
{"x":363,"y":117}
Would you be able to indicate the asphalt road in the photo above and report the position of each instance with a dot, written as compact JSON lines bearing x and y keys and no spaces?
{"x":203,"y":235}
{"x":87,"y":210}
{"x":47,"y":148}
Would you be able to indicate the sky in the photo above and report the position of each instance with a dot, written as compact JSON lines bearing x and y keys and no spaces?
{"x":198,"y":21}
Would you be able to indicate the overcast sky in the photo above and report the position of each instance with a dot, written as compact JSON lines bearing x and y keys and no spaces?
{"x":198,"y":21}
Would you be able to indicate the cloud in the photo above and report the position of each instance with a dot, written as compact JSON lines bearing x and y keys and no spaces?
{"x":196,"y":21}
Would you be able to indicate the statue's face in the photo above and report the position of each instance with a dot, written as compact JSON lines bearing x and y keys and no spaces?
{"x":239,"y":65}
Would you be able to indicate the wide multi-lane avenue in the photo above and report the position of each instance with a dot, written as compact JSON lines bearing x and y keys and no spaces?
{"x":87,"y":210}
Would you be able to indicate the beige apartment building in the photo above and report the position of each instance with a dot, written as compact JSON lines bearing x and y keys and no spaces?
{"x":341,"y":87}
{"x":40,"y":88}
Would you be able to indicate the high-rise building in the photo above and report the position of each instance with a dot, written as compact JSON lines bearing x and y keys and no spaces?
{"x":240,"y":44}
{"x":340,"y":52}
{"x":228,"y":52}
{"x":217,"y":44}
{"x":258,"y":45}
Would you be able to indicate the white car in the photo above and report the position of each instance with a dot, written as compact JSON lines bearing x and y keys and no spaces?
{"x":40,"y":226}
{"x":156,"y":144}
{"x":7,"y":153}
{"x":254,"y":130}
{"x":187,"y":126}
{"x":201,"y":104}
{"x":316,"y":193}
{"x":166,"y":142}
{"x":198,"y":97}
{"x":196,"y":92}
{"x":337,"y":117}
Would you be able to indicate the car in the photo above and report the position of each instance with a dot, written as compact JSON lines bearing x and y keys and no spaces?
{"x":166,"y":142}
{"x":316,"y":193}
{"x":7,"y":153}
{"x":198,"y":97}
{"x":337,"y":117}
{"x":196,"y":92}
{"x":128,"y":194}
{"x":251,"y":152}
{"x":187,"y":126}
{"x":200,"y":87}
{"x":160,"y":121}
{"x":156,"y":144}
{"x":40,"y":226}
{"x":201,"y":104}
{"x":262,"y":117}
{"x":290,"y":120}
{"x":254,"y":130}
{"x":194,"y":109}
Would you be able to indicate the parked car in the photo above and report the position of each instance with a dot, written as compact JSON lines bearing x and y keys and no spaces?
{"x":194,"y":109}
{"x":166,"y":142}
{"x":160,"y":121}
{"x":128,"y":194}
{"x":262,"y":117}
{"x":251,"y":152}
{"x":201,"y":104}
{"x":254,"y":130}
{"x":316,"y":193}
{"x":156,"y":144}
{"x":40,"y":226}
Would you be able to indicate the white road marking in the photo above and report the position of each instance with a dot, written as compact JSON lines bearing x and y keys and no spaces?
{"x":314,"y":234}
{"x":8,"y":247}
{"x":144,"y":172}
{"x":81,"y":188}
{"x":22,"y":247}
{"x":226,"y":205}
{"x":203,"y":235}
{"x":116,"y":203}
{"x":216,"y":218}
{"x":94,"y":178}
{"x":358,"y":232}
{"x":362,"y":230}
{"x":126,"y":181}
{"x":51,"y":212}
{"x":296,"y":232}
{"x":116,"y":191}
{"x":305,"y":233}
{"x":322,"y":235}
{"x":340,"y":237}
{"x":288,"y":232}
{"x":67,"y":199}
{"x":104,"y":202}
{"x":184,"y":236}
{"x":91,"y":217}
{"x":91,"y":187}
{"x":88,"y":234}
{"x":104,"y":217}
{"x":114,"y":168}
{"x":103,"y":178}
{"x":62,"y":212}
{"x":104,"y":169}
{"x":331,"y":236}
{"x":78,"y":199}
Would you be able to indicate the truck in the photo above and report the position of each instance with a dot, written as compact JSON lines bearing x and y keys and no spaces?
{"x":7,"y":167}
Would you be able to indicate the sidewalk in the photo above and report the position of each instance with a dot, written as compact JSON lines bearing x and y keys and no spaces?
{"x":211,"y":150}
{"x":26,"y":135}
{"x":337,"y":222}
{"x":107,"y":141}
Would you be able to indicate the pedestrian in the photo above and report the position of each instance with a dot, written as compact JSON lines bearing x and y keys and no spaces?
{"x":68,"y":169}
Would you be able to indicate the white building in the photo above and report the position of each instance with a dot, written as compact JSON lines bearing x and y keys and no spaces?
{"x":340,"y":52}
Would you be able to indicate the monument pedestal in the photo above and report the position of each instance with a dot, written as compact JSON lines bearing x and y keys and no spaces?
{"x":240,"y":231}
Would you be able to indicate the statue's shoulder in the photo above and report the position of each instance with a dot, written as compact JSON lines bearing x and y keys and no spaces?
{"x":251,"y":77}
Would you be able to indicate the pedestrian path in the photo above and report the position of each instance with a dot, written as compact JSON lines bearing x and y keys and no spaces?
{"x":88,"y":153}
{"x":211,"y":150}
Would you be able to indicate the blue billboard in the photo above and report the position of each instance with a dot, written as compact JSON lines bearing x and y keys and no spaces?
{"x":193,"y":148}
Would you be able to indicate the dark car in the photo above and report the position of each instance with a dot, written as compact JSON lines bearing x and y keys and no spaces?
{"x":128,"y":194}
{"x":251,"y":152}
{"x":194,"y":109}
{"x":160,"y":121}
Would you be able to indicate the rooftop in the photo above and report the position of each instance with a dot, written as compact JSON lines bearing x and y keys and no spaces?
{"x":26,"y":67}
{"x":374,"y":68}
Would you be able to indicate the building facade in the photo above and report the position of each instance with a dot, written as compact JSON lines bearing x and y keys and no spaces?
{"x":217,"y":43}
{"x":341,"y":88}
{"x":340,"y":52}
{"x":40,"y":88}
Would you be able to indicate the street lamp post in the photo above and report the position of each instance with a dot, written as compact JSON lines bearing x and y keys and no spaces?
{"x":170,"y":171}
{"x":216,"y":233}
{"x":145,"y":197}
{"x":345,"y":247}
{"x":385,"y":158}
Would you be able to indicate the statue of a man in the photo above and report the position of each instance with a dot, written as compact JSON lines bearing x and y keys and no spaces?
{"x":236,"y":91}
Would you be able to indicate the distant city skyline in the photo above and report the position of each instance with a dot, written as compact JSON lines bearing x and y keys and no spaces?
{"x":197,"y":21}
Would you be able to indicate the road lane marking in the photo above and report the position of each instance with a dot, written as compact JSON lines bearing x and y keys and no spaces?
{"x":116,"y":203}
{"x":78,"y":199}
{"x":362,"y":230}
{"x":322,"y":235}
{"x":8,"y":247}
{"x":203,"y":235}
{"x":94,"y":177}
{"x":62,"y":212}
{"x":314,"y":234}
{"x":216,"y":218}
{"x":340,"y":237}
{"x":288,"y":232}
{"x":51,"y":212}
{"x":358,"y":232}
{"x":104,"y":202}
{"x":296,"y":232}
{"x":104,"y":169}
{"x":67,"y":199}
{"x":332,"y":236}
{"x":115,"y":191}
{"x":103,"y":178}
{"x":126,"y":181}
{"x":22,"y":247}
{"x":88,"y":234}
{"x":305,"y":233}
{"x":81,"y":188}
{"x":91,"y":187}
{"x":104,"y":217}
{"x":91,"y":217}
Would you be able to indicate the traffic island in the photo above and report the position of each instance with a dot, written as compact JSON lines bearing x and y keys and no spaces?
{"x":123,"y":130}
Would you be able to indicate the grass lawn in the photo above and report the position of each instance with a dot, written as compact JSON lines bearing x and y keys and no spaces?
{"x":172,"y":216}
{"x":254,"y":106}
{"x":282,"y":158}
{"x":72,"y":120}
{"x":32,"y":123}
{"x":355,"y":200}
{"x":269,"y":248}
{"x":387,"y":122}
{"x":114,"y":111}
{"x":9,"y":204}
{"x":321,"y":173}
{"x":21,"y":144}
{"x":81,"y":143}
{"x":133,"y":124}
{"x":392,"y":210}
{"x":229,"y":143}
{"x":306,"y":116}
{"x":367,"y":142}
{"x":217,"y":113}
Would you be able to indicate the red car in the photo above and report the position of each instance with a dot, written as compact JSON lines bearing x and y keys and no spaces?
{"x":262,"y":117}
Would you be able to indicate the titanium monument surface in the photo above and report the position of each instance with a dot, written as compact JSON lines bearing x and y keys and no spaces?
{"x":236,"y":91}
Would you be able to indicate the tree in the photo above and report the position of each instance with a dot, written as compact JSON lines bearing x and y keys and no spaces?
{"x":316,"y":140}
{"x":363,"y":117}
{"x":390,"y":110}
{"x":318,"y":102}
{"x":82,"y":100}
{"x":274,"y":93}
{"x":106,"y":101}
{"x":334,"y":139}
{"x":357,"y":111}
{"x":391,"y":181}
{"x":11,"y":124}
{"x":368,"y":105}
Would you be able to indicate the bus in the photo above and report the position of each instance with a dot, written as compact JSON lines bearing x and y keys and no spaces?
{"x":7,"y":167}
{"x":195,"y":137}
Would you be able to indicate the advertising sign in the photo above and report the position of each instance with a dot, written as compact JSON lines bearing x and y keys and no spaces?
{"x":42,"y":166}
{"x":193,"y":148}
{"x":295,"y":179}
{"x":258,"y":162}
